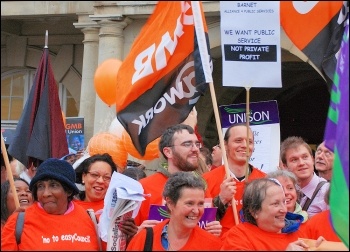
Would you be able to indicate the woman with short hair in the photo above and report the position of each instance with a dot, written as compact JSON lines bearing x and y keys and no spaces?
{"x":184,"y":197}
{"x":264,"y":211}
{"x":292,"y":192}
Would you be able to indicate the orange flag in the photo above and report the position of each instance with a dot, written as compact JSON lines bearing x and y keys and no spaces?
{"x":162,"y":78}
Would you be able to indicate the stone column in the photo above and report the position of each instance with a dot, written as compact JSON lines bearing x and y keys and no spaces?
{"x":111,"y":45}
{"x":90,"y":63}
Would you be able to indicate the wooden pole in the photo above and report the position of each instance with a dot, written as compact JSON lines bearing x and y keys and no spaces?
{"x":9,"y":171}
{"x":247,"y":123}
{"x":222,"y":146}
{"x":199,"y":29}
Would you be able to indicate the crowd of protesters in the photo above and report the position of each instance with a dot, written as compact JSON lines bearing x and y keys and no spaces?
{"x":255,"y":210}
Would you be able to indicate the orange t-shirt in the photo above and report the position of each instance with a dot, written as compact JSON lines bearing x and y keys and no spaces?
{"x":214,"y":179}
{"x":95,"y":205}
{"x":153,"y":185}
{"x":43,"y":231}
{"x":199,"y":240}
{"x":246,"y":236}
{"x":320,"y":225}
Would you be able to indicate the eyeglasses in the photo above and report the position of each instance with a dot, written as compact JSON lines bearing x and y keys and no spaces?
{"x":189,"y":144}
{"x":96,"y":176}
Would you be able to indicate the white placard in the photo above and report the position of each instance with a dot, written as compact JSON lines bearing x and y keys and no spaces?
{"x":250,"y":43}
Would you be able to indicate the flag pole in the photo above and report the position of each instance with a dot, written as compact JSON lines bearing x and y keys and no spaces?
{"x":202,"y":43}
{"x":46,"y":39}
{"x":9,"y":172}
{"x":247,"y":112}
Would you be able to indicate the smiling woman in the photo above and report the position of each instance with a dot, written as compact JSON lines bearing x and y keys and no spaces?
{"x":53,"y":215}
{"x":264,"y":211}
{"x":184,"y":197}
{"x":95,"y":174}
{"x":7,"y":201}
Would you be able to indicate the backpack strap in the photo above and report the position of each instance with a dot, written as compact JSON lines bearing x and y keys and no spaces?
{"x":308,"y":201}
{"x":19,"y":227}
{"x":149,"y":239}
{"x":92,"y":215}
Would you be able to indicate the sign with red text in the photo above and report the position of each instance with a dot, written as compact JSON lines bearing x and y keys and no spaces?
{"x":75,"y":134}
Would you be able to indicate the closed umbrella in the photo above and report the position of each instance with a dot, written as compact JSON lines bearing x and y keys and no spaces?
{"x":40,"y":133}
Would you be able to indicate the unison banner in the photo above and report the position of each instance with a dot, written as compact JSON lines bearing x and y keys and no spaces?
{"x":264,"y":122}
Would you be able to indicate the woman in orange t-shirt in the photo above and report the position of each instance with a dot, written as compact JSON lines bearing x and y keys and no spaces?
{"x":264,"y":212}
{"x":53,"y":221}
{"x":184,"y":197}
{"x":7,"y":198}
{"x":95,"y":172}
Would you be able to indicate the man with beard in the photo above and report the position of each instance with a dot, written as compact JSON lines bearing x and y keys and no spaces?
{"x":179,"y":146}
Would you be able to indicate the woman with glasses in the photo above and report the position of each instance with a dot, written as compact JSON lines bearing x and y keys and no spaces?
{"x":95,"y":174}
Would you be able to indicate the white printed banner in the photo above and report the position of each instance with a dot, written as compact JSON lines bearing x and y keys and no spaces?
{"x":250,"y":43}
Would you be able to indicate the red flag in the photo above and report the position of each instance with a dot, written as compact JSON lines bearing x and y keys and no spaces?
{"x":162,"y":78}
{"x":316,"y":28}
{"x":40,"y":133}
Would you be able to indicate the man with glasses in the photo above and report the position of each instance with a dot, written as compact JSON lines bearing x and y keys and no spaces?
{"x":223,"y":189}
{"x":324,"y":162}
{"x":179,"y":146}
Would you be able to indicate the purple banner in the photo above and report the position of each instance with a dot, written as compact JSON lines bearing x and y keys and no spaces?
{"x":160,"y":213}
{"x":261,"y":113}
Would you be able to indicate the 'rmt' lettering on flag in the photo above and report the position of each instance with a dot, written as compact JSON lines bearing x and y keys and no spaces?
{"x":162,"y":78}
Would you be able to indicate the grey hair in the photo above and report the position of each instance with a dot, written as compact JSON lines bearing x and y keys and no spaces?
{"x":253,"y":196}
{"x":286,"y":174}
{"x":179,"y":181}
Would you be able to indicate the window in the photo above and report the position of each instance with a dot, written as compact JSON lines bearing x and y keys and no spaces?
{"x":15,"y":88}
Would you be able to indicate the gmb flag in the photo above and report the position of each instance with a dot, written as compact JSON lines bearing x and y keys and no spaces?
{"x":316,"y":28}
{"x":163,"y":76}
